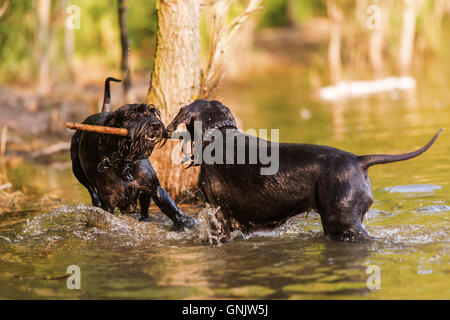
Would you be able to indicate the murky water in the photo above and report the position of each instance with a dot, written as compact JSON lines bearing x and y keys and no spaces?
{"x":122,"y":258}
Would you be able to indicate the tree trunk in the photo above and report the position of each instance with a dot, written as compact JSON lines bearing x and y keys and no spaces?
{"x":335,"y":17}
{"x":175,"y":80}
{"x":290,"y":14}
{"x":406,"y":46}
{"x":376,"y":52}
{"x":125,"y":45}
{"x":43,"y":8}
{"x":69,"y":44}
{"x":377,"y":38}
{"x":176,"y":74}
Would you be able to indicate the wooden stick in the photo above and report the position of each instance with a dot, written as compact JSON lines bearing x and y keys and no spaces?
{"x":102,"y":129}
{"x":98,"y":129}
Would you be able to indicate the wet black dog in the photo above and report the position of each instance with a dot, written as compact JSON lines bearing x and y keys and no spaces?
{"x":309,"y":177}
{"x":115,"y":169}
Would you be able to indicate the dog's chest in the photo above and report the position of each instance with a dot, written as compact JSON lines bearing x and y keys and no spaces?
{"x":129,"y":185}
{"x":129,"y":193}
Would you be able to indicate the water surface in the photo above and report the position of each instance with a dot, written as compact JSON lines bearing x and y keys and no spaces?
{"x":122,"y":258}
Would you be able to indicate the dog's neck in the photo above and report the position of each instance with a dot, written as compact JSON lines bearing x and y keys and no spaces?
{"x":225,"y":124}
{"x":207,"y":136}
{"x":113,"y":160}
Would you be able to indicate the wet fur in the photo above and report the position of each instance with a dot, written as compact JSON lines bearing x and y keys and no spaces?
{"x":115,"y":169}
{"x":330,"y":181}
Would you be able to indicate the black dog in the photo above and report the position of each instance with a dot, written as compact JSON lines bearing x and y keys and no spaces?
{"x":115,"y":169}
{"x":310,"y":177}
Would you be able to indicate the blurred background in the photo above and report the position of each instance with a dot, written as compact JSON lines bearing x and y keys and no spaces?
{"x":353,"y":73}
{"x":366,"y":76}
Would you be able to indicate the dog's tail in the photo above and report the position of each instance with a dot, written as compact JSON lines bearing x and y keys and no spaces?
{"x":107,"y":96}
{"x":366,"y":161}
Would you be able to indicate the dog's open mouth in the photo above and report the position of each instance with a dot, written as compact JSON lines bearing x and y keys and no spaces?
{"x":160,"y":139}
{"x":152,"y":139}
{"x":143,"y":136}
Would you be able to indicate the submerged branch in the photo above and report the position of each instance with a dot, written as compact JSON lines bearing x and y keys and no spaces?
{"x":42,"y":278}
{"x":54,"y":148}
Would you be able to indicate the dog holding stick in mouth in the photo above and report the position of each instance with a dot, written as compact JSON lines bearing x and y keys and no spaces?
{"x":333,"y":182}
{"x":115,"y":169}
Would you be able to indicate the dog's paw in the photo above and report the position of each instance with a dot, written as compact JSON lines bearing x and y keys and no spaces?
{"x":142,"y":218}
{"x":186,"y":222}
{"x":191,"y":223}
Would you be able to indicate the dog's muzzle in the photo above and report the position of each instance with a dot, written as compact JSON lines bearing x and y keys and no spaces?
{"x":143,"y":135}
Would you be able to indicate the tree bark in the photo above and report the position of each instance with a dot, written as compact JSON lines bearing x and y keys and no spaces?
{"x":43,"y":8}
{"x":376,"y":52}
{"x":69,"y":44}
{"x":406,"y":47}
{"x":175,"y":79}
{"x":335,"y":16}
{"x":377,"y":39}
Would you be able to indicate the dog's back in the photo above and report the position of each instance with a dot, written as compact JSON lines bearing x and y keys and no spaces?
{"x":85,"y":144}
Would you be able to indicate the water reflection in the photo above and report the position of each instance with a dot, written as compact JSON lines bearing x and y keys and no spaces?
{"x":122,"y":258}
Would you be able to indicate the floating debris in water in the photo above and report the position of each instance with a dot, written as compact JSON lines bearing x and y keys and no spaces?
{"x":11,"y":200}
{"x":6,"y":239}
{"x":408,"y":234}
{"x":425,"y":271}
{"x":433,"y":208}
{"x":413,"y":188}
{"x":354,"y":89}
{"x":375,"y":213}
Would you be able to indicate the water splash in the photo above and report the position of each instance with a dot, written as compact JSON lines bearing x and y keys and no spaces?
{"x":409,"y":234}
{"x":88,"y":223}
{"x":211,"y":232}
{"x":210,"y":229}
{"x":85,"y":223}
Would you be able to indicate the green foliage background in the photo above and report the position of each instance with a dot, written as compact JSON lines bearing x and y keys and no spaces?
{"x":97,"y":41}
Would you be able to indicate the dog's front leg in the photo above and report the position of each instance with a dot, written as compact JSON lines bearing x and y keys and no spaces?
{"x":144,"y":200}
{"x":170,"y":209}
